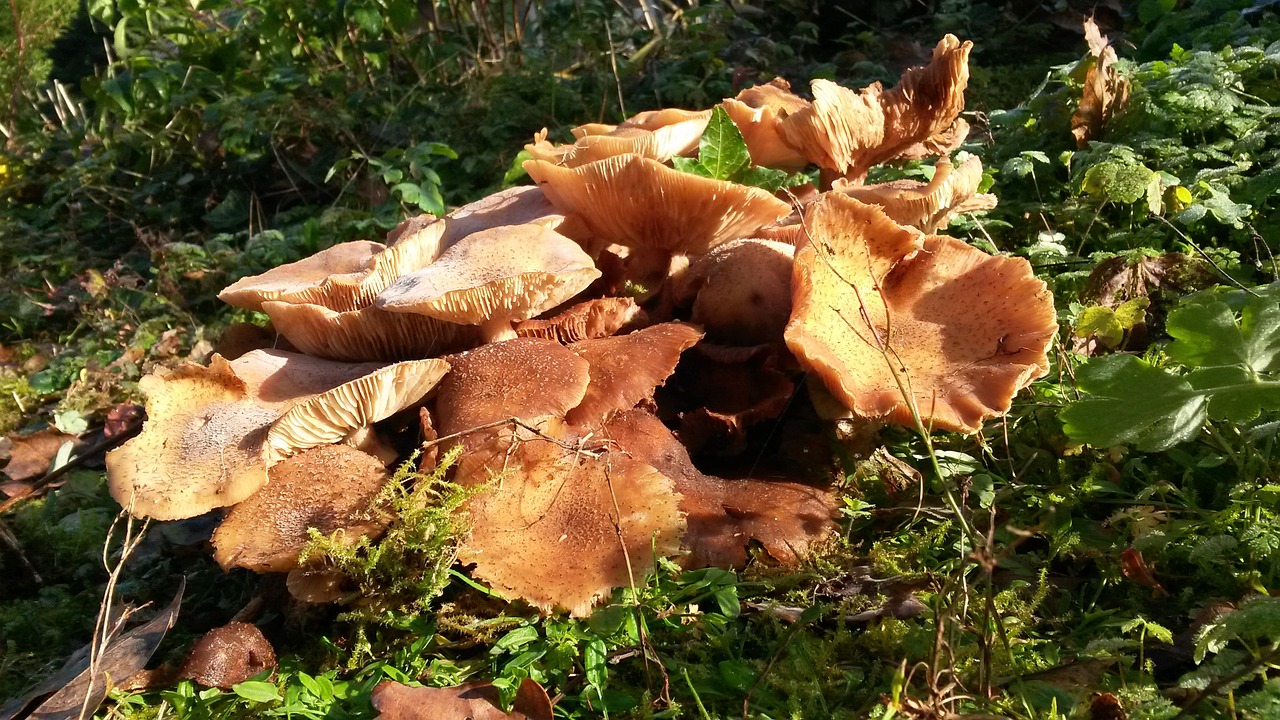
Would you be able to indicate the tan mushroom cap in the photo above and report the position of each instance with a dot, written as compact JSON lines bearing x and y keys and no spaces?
{"x":758,"y":112}
{"x":659,"y":135}
{"x":596,"y":318}
{"x":495,"y":277}
{"x":852,"y":131}
{"x":329,"y":488}
{"x":740,"y":291}
{"x":928,"y":207}
{"x":228,"y":655}
{"x":626,"y":369}
{"x":563,"y":529}
{"x":965,"y":329}
{"x":367,"y":333}
{"x":203,"y":431}
{"x":330,"y":277}
{"x":334,"y":415}
{"x":278,"y":378}
{"x":641,"y":203}
{"x":724,"y":516}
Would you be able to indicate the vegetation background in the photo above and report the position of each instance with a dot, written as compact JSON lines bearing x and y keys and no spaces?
{"x":1126,"y":558}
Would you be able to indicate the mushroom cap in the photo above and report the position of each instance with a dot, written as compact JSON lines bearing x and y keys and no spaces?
{"x":926,"y":102}
{"x":329,"y":488}
{"x":930,"y":206}
{"x":641,"y":203}
{"x":627,"y":368}
{"x":839,"y":127}
{"x":775,"y":95}
{"x":659,"y":135}
{"x":367,"y":333}
{"x":278,"y":378}
{"x":562,"y":528}
{"x":512,"y":272}
{"x":741,"y":291}
{"x":330,"y":277}
{"x":758,"y":112}
{"x":966,"y":330}
{"x":333,"y":415}
{"x":202,"y":429}
{"x":228,"y":655}
{"x":728,"y":389}
{"x":596,"y":318}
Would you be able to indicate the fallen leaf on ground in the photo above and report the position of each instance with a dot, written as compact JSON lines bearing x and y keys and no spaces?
{"x":1134,"y":567}
{"x":473,"y":701}
{"x":31,"y":454}
{"x":1106,"y":91}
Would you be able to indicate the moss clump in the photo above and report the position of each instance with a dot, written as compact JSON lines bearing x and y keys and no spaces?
{"x":17,"y":400}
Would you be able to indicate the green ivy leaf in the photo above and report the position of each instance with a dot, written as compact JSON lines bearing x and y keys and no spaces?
{"x":722,"y":151}
{"x":689,"y":165}
{"x":1133,"y":403}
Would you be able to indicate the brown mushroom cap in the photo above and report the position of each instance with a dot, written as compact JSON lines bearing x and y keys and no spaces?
{"x":367,"y":333}
{"x":494,"y":277}
{"x":839,"y":128}
{"x":964,"y":330}
{"x":329,"y":488}
{"x":278,"y":378}
{"x":641,"y":203}
{"x":203,"y":430}
{"x":758,"y":112}
{"x":596,"y":318}
{"x":562,"y":529}
{"x":740,"y":291}
{"x":228,"y":655}
{"x":930,"y":206}
{"x":329,"y":277}
{"x":659,"y":135}
{"x":626,"y":369}
{"x":335,"y":414}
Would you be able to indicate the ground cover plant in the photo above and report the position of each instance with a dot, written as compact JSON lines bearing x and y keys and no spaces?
{"x":1106,"y":548}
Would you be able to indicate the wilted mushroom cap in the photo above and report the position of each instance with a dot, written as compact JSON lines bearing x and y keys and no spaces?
{"x":563,"y":529}
{"x":202,"y":447}
{"x":596,"y":318}
{"x":659,"y":135}
{"x":839,"y":127}
{"x":328,"y":488}
{"x":626,"y":369}
{"x":333,"y":415}
{"x":329,"y":277}
{"x":367,"y":333}
{"x":641,"y":203}
{"x":504,"y":273}
{"x":962,"y":329}
{"x":740,"y":291}
{"x":228,"y":655}
{"x":925,"y":104}
{"x":926,"y":207}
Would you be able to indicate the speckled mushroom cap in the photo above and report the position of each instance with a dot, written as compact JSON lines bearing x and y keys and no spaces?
{"x":330,"y":277}
{"x":930,"y":206}
{"x":740,"y":291}
{"x":964,"y":330}
{"x":228,"y":656}
{"x":641,"y":203}
{"x":628,"y":368}
{"x":758,"y":112}
{"x":328,"y":488}
{"x":335,"y":414}
{"x":203,"y":446}
{"x":563,"y":529}
{"x":367,"y":333}
{"x":495,"y":277}
{"x":659,"y":135}
{"x":852,"y":131}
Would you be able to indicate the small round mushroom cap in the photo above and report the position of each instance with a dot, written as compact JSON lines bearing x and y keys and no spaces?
{"x":641,"y":203}
{"x":329,"y":277}
{"x":590,"y":319}
{"x":228,"y":655}
{"x":493,"y":278}
{"x":329,"y":488}
{"x":334,"y":415}
{"x":367,"y":333}
{"x":627,"y":369}
{"x":962,"y":329}
{"x":202,"y":447}
{"x":926,"y":207}
{"x":563,"y":529}
{"x":740,"y":291}
{"x":659,"y":135}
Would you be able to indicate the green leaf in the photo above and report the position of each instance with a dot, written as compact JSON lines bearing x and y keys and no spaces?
{"x":1133,"y":403}
{"x":1100,"y":322}
{"x":1132,"y":312}
{"x":722,"y":151}
{"x":766,"y":178}
{"x":1234,"y":393}
{"x":1208,"y":334}
{"x":689,"y":165}
{"x":257,"y":691}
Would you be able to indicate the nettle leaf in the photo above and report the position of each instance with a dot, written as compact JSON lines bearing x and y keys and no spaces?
{"x":1133,"y":403}
{"x":722,"y":151}
{"x":1257,"y":619}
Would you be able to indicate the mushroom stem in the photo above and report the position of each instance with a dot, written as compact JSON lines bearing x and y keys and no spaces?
{"x":496,"y":330}
{"x":648,"y":268}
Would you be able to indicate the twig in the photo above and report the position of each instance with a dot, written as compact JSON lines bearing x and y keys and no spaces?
{"x":1204,"y":255}
{"x":12,"y":541}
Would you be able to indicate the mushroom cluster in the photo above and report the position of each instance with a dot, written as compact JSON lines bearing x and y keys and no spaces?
{"x":579,"y":338}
